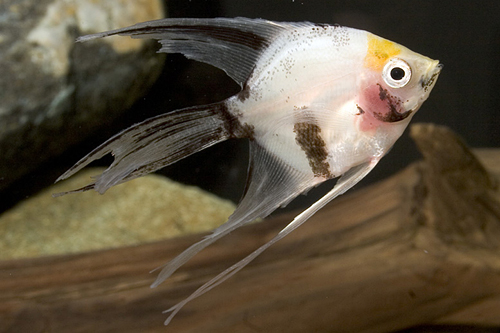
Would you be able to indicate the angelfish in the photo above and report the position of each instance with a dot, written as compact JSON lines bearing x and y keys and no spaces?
{"x":317,"y":102}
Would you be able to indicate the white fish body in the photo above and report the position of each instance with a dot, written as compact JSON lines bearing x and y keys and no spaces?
{"x":317,"y":102}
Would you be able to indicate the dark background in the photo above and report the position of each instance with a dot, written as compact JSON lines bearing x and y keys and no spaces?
{"x":463,"y":35}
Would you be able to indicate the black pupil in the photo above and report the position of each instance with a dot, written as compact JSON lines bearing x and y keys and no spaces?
{"x":397,"y":73}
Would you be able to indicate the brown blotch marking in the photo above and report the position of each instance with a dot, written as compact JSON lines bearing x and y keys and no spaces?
{"x":308,"y":137}
{"x":394,"y":104}
{"x":244,"y":93}
{"x":322,"y":25}
{"x":429,"y":82}
{"x":382,"y":93}
{"x":360,"y":110}
{"x":232,"y":124}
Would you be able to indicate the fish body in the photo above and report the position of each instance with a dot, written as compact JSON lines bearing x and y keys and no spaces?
{"x":340,"y":68}
{"x":317,"y":102}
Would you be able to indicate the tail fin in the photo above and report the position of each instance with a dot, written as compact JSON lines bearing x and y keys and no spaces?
{"x":158,"y":142}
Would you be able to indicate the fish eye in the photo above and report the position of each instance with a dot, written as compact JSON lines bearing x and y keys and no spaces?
{"x":396,"y":73}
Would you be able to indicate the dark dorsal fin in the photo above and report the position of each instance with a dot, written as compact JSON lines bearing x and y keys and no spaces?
{"x":231,"y":44}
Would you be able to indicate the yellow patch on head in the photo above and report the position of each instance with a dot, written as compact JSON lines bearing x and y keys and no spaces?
{"x":379,"y":51}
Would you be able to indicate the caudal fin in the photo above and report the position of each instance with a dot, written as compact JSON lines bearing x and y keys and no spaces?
{"x":158,"y":142}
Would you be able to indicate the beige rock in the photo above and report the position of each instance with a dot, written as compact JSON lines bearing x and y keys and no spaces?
{"x":142,"y":210}
{"x":52,"y":38}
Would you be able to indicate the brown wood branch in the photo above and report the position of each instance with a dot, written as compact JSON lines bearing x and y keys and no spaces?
{"x":420,"y":247}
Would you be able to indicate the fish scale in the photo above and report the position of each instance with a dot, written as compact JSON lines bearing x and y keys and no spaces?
{"x":318,"y":101}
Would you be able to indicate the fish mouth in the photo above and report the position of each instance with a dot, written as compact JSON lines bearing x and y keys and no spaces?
{"x":432,"y":77}
{"x":414,"y":109}
{"x":427,"y":84}
{"x":397,"y":110}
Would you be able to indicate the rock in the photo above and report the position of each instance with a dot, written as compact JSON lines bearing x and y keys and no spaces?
{"x":54,"y":92}
{"x":142,"y":210}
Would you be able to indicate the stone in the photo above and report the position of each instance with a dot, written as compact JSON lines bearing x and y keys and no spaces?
{"x":142,"y":210}
{"x":54,"y":91}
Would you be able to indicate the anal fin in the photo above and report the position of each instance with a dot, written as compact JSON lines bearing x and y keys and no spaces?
{"x":346,"y":181}
{"x":272,"y":184}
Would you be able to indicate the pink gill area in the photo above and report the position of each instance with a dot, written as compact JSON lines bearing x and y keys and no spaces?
{"x":368,"y":103}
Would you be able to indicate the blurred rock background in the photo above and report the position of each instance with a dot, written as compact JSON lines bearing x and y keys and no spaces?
{"x":136,"y":212}
{"x":54,"y":93}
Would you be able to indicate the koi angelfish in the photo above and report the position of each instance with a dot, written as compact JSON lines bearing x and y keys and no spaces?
{"x":317,"y":102}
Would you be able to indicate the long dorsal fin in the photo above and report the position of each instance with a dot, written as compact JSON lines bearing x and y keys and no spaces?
{"x":231,"y":44}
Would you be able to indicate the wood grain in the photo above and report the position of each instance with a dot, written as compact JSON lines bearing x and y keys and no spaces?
{"x":420,"y":247}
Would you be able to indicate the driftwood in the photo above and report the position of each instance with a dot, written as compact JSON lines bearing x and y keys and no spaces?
{"x":420,"y":247}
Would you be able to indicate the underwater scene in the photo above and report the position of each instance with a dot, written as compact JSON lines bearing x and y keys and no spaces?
{"x":249,"y":166}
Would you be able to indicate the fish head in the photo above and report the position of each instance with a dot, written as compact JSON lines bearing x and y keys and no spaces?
{"x":394,"y":84}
